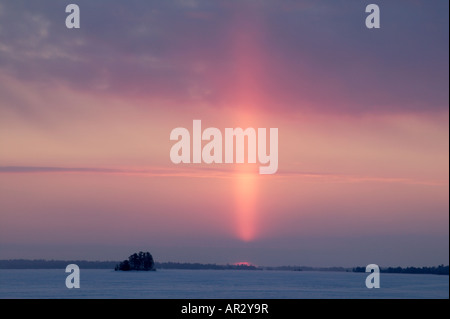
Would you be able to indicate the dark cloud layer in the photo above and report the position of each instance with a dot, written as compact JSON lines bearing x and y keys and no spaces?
{"x":300,"y":54}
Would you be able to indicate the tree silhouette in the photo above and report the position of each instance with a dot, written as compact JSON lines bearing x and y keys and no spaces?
{"x":148,"y":261}
{"x":137,"y":261}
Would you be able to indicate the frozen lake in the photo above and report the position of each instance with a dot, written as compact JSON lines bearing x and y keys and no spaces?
{"x":217,"y":284}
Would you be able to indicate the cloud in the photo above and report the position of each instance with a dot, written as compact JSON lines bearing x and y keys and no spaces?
{"x":279,"y":55}
{"x":216,"y":172}
{"x":153,"y":171}
{"x":37,"y":169}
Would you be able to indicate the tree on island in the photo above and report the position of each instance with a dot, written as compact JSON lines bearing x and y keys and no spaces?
{"x":137,"y":261}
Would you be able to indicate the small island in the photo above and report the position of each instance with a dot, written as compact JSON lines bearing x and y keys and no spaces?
{"x":137,"y":261}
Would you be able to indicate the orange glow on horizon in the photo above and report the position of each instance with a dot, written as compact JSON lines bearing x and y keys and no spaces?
{"x":243,"y":263}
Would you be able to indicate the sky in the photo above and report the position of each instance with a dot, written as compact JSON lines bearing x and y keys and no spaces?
{"x":362,"y":117}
